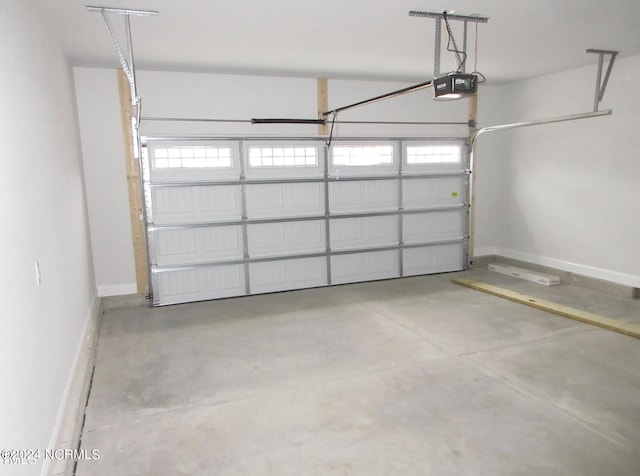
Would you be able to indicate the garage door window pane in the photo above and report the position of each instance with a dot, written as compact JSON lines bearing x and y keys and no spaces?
{"x":367,"y":155}
{"x":261,"y":156}
{"x":189,"y":157}
{"x":433,"y":154}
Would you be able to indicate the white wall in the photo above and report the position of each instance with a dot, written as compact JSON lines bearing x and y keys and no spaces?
{"x":106,"y":178}
{"x":44,"y":219}
{"x":220,"y":96}
{"x":567,"y":195}
{"x":488,"y":170}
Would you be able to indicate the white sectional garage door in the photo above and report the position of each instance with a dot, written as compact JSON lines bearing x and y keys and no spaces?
{"x":248,"y":216}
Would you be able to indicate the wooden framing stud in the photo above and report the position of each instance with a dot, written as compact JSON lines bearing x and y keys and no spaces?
{"x":323,"y":104}
{"x":134,"y":186}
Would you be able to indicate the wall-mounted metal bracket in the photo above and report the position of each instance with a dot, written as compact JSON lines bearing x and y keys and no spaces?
{"x":128,"y":66}
{"x":601,"y":84}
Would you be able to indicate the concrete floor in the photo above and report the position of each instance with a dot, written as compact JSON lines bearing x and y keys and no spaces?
{"x":415,"y":376}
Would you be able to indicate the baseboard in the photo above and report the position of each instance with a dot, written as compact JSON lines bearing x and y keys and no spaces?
{"x":120,"y":302}
{"x":66,"y":434}
{"x":117,"y":289}
{"x":612,"y":282}
{"x":484,"y":251}
{"x":590,"y":271}
{"x":483,"y":257}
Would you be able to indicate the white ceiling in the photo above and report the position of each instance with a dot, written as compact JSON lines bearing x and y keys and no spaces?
{"x":364,"y":39}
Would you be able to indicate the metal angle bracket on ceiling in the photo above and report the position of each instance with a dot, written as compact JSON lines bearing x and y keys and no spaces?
{"x":128,"y":67}
{"x":438,"y":33}
{"x":601,"y":85}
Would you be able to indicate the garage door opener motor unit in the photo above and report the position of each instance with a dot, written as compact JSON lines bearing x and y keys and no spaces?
{"x":455,"y":85}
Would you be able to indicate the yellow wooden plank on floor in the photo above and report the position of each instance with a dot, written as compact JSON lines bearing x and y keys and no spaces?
{"x":565,"y":311}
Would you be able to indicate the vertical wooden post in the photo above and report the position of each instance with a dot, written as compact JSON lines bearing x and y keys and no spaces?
{"x":473,"y":120}
{"x":323,"y":104}
{"x":134,"y":186}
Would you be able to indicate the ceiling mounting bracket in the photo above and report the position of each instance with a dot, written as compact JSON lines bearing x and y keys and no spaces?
{"x":438,"y":34}
{"x":601,"y":84}
{"x":128,"y":65}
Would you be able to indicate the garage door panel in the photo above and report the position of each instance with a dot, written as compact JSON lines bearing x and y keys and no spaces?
{"x":433,"y":259}
{"x":173,"y":245}
{"x":196,"y":204}
{"x":198,"y":284}
{"x":363,"y":196}
{"x":273,"y":239}
{"x":282,"y":275}
{"x":352,"y":268}
{"x":196,"y":245}
{"x":285,"y":200}
{"x":422,"y":227}
{"x":363,"y":232}
{"x":433,"y":192}
{"x":173,"y":201}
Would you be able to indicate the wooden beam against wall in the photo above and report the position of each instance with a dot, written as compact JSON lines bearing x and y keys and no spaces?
{"x":323,"y":104}
{"x":594,"y":319}
{"x":134,"y":186}
{"x":473,"y":121}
